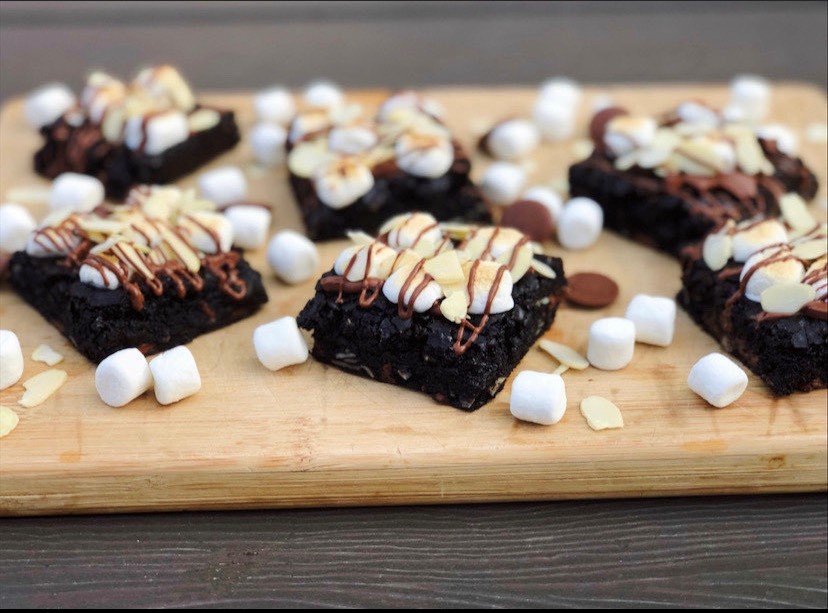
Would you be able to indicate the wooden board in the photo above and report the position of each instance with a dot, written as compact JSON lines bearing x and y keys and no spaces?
{"x":311,"y":435}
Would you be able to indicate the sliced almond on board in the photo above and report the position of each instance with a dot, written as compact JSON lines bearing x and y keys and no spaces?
{"x":795,"y":212}
{"x":358,"y":237}
{"x":600,"y":413}
{"x":787,"y":298}
{"x":47,"y":355}
{"x":41,"y":386}
{"x":8,"y":420}
{"x":564,"y":355}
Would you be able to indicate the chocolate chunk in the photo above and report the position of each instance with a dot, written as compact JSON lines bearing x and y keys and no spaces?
{"x":531,"y":218}
{"x":598,"y":125}
{"x":591,"y":290}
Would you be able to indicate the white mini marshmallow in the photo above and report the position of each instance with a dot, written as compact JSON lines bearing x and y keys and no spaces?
{"x":342,"y":182}
{"x":555,"y":120}
{"x":392,"y":288}
{"x":175,"y":374}
{"x":207,"y":231}
{"x":279,"y":344}
{"x":788,"y":270}
{"x":626,"y":133}
{"x":538,"y":397}
{"x":292,"y":256}
{"x":751,"y":94}
{"x":611,"y":343}
{"x":747,"y":242}
{"x":250,"y":225}
{"x":697,"y":114}
{"x":654,"y":318}
{"x":158,"y":133}
{"x":274,"y":105}
{"x":351,"y":140}
{"x":267,"y":141}
{"x":484,"y":279}
{"x":547,"y":197}
{"x":408,"y":99}
{"x":323,"y":94}
{"x":122,"y":377}
{"x":424,"y":155}
{"x":562,"y":90}
{"x":225,"y":185}
{"x":786,"y":140}
{"x":103,"y":279}
{"x":502,"y":182}
{"x":579,"y":223}
{"x":44,"y":105}
{"x":717,"y":379}
{"x":16,"y":223}
{"x":80,"y":193}
{"x":512,"y":139}
{"x":11,"y":359}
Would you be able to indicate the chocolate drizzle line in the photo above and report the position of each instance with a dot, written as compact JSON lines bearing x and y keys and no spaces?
{"x":460,"y":346}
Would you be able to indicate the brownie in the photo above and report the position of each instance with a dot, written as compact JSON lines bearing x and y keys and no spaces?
{"x":679,"y":201}
{"x":421,"y":350}
{"x":788,"y":352}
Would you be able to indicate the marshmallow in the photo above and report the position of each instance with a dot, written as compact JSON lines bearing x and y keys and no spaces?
{"x":579,"y":223}
{"x":538,"y":397}
{"x":44,"y":105}
{"x":601,"y":102}
{"x":424,"y":155}
{"x":627,"y":133}
{"x":409,"y":230}
{"x":758,"y":236}
{"x":11,"y":359}
{"x":786,"y":140}
{"x":100,"y":94}
{"x":513,"y":139}
{"x":555,"y":120}
{"x":409,"y":100}
{"x":103,"y":279}
{"x":292,"y":256}
{"x":547,"y":197}
{"x":225,"y":185}
{"x":156,"y":134}
{"x":166,"y":84}
{"x":323,"y":94}
{"x":393,"y":286}
{"x":353,"y":260}
{"x":268,"y":143}
{"x":654,"y":318}
{"x":16,"y":223}
{"x":766,"y":275}
{"x":717,"y":379}
{"x":279,"y":344}
{"x":274,"y":105}
{"x":175,"y":374}
{"x":122,"y":377}
{"x":751,"y":94}
{"x":308,"y":123}
{"x":250,"y":225}
{"x":484,"y":279}
{"x":342,"y":182}
{"x":80,"y":193}
{"x":611,"y":343}
{"x":502,"y":182}
{"x":697,"y":114}
{"x":733,"y":114}
{"x":351,"y":140}
{"x":207,"y":231}
{"x":561,"y":90}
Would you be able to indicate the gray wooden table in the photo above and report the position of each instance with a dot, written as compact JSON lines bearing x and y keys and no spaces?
{"x":767,"y":551}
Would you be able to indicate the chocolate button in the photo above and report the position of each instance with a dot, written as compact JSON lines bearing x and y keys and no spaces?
{"x":591,"y":290}
{"x":598,"y":125}
{"x":531,"y":218}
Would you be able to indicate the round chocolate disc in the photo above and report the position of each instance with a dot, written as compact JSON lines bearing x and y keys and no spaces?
{"x":598,"y":125}
{"x":591,"y":290}
{"x":531,"y":218}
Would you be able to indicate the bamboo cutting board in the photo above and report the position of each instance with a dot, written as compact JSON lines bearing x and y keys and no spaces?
{"x":311,"y":435}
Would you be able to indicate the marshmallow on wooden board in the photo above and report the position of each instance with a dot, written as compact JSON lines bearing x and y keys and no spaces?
{"x":563,"y":90}
{"x":175,"y":374}
{"x":155,"y":134}
{"x":502,"y":182}
{"x":717,"y":379}
{"x":11,"y":359}
{"x":250,"y":223}
{"x":275,"y":105}
{"x":225,"y":185}
{"x":45,"y":104}
{"x":555,"y":120}
{"x":750,"y":94}
{"x":323,"y":94}
{"x":611,"y":343}
{"x":280,"y":343}
{"x":580,"y":223}
{"x":16,"y":223}
{"x":80,"y":193}
{"x":547,"y":197}
{"x":512,"y":139}
{"x":538,"y":397}
{"x":292,"y":256}
{"x":654,"y":318}
{"x":122,"y":377}
{"x":267,"y":141}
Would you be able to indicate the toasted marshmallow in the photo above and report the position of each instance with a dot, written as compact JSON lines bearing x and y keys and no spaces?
{"x":308,"y":123}
{"x":279,"y":344}
{"x":351,"y":140}
{"x":323,"y":95}
{"x":274,"y":105}
{"x":175,"y":374}
{"x":562,"y":90}
{"x":157,"y":133}
{"x":626,"y":133}
{"x":122,"y":377}
{"x":547,"y":197}
{"x":166,"y":83}
{"x":102,"y":92}
{"x":697,"y":114}
{"x":16,"y":223}
{"x":225,"y":185}
{"x":502,"y":182}
{"x":408,"y":100}
{"x":424,"y":155}
{"x":353,"y":261}
{"x":411,"y":231}
{"x":733,"y":114}
{"x":580,"y":223}
{"x":766,"y":275}
{"x":76,"y":192}
{"x":555,"y":119}
{"x":267,"y":141}
{"x":250,"y":225}
{"x":786,"y":141}
{"x":717,"y":379}
{"x":44,"y":105}
{"x":103,"y":279}
{"x":11,"y":359}
{"x":611,"y":343}
{"x":538,"y":397}
{"x":654,"y":318}
{"x":512,"y":139}
{"x":748,"y":241}
{"x":751,"y":94}
{"x":342,"y":182}
{"x":207,"y":231}
{"x":393,"y":286}
{"x":491,"y":243}
{"x":292,"y":256}
{"x":484,"y":278}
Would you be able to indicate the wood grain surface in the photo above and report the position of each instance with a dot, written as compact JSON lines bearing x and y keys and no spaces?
{"x":315,"y":436}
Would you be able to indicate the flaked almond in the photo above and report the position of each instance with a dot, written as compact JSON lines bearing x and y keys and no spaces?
{"x":457,"y":231}
{"x":445,"y":268}
{"x":810,"y":250}
{"x":749,"y":155}
{"x":8,"y":420}
{"x":47,"y":355}
{"x":561,"y":369}
{"x":600,"y":413}
{"x":542,"y":269}
{"x":406,"y":258}
{"x":307,"y":156}
{"x":101,"y":226}
{"x":786,"y":298}
{"x":203,"y":119}
{"x":795,"y":212}
{"x":564,"y":354}
{"x":358,"y":237}
{"x":627,"y":161}
{"x":40,"y":387}
{"x":523,"y":261}
{"x":455,"y":307}
{"x":582,"y":148}
{"x":702,"y":151}
{"x":717,"y":250}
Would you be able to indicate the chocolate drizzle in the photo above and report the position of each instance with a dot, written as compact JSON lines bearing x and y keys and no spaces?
{"x":460,"y":346}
